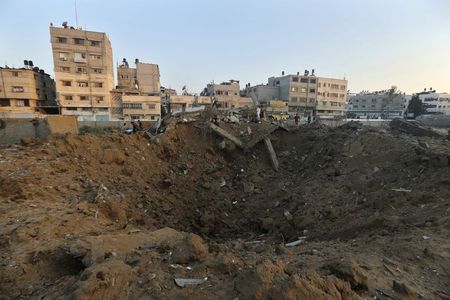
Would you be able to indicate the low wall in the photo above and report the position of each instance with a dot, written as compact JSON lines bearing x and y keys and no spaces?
{"x":13,"y":130}
{"x":439,"y":121}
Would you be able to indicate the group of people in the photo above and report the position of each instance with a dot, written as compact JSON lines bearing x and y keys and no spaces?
{"x":137,"y":126}
{"x":297,"y":119}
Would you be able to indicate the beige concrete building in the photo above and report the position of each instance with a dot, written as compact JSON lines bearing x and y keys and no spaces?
{"x":26,"y":93}
{"x":144,"y":77}
{"x":141,"y":107}
{"x":227,"y":94}
{"x":306,"y":94}
{"x":84,"y":72}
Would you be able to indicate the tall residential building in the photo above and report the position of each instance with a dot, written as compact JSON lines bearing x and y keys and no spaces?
{"x":374,"y":105}
{"x":26,"y":92}
{"x":83,"y":72}
{"x":435,"y":103}
{"x":307,"y":93}
{"x":144,"y":77}
{"x":137,"y":95}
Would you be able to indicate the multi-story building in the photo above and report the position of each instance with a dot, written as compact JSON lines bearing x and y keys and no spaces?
{"x":374,"y":105}
{"x":307,"y":94}
{"x":137,"y":95}
{"x":226,"y":94}
{"x":144,"y":77}
{"x":26,"y":92}
{"x":435,"y":103}
{"x":83,"y":72}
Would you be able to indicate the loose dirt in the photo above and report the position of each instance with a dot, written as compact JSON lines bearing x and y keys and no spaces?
{"x":122,"y":216}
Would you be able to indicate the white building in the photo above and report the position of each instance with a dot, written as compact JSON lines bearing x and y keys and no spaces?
{"x":435,"y":103}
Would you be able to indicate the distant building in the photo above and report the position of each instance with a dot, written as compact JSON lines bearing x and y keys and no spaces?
{"x":141,"y":107}
{"x":435,"y":103}
{"x":26,"y":92}
{"x":227,"y":94}
{"x":306,"y":94}
{"x":83,"y":72}
{"x":374,"y":105}
{"x":144,"y":77}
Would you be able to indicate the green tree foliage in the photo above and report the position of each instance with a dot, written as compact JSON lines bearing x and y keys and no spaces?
{"x":416,"y":106}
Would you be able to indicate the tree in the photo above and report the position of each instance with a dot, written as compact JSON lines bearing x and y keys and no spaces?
{"x":416,"y":106}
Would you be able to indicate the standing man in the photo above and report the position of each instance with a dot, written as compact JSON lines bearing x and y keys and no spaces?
{"x":258,"y":114}
{"x":297,"y":119}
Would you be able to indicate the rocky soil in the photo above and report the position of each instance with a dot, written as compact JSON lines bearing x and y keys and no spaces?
{"x":353,"y":213}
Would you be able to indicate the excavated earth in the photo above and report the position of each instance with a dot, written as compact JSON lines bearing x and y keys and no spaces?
{"x":122,"y":217}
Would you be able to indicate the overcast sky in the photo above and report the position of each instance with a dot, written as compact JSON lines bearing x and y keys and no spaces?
{"x":372,"y":43}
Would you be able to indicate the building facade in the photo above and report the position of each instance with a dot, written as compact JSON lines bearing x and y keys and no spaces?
{"x":26,"y":92}
{"x":305,"y":94}
{"x":435,"y":103}
{"x":84,"y":72}
{"x":227,"y":95}
{"x":375,"y":105}
{"x":145,"y":78}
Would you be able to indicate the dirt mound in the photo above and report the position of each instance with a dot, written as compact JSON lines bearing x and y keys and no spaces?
{"x":124,"y":216}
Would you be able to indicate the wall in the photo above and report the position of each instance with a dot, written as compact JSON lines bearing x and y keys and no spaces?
{"x":13,"y":130}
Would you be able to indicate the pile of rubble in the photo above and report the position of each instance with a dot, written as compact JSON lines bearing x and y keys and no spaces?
{"x":212,"y":206}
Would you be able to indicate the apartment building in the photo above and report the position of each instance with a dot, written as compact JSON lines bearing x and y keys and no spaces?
{"x":145,"y":77}
{"x":306,"y":94}
{"x":374,"y":105}
{"x":435,"y":103}
{"x":84,"y":72}
{"x":26,"y":92}
{"x":227,"y":94}
{"x":141,"y":107}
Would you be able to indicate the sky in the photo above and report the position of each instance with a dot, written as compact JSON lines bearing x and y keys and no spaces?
{"x":374,"y":44}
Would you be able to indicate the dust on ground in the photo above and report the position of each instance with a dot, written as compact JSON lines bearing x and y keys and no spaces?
{"x":352,"y":213}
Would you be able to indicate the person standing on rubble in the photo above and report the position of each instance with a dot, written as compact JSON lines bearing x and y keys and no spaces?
{"x":297,"y":119}
{"x":258,"y":114}
{"x":140,"y":126}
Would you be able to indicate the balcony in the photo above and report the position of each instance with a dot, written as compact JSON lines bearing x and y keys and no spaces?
{"x":80,"y":60}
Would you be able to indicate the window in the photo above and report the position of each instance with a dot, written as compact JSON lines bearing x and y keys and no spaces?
{"x":98,"y":71}
{"x":98,"y":84}
{"x":84,"y":98}
{"x":23,"y":103}
{"x":332,"y":103}
{"x":312,"y":100}
{"x":81,"y":70}
{"x":83,"y":84}
{"x":86,"y":109}
{"x":295,"y":79}
{"x":312,"y":80}
{"x":63,"y":56}
{"x":132,"y":105}
{"x":15,"y":74}
{"x":80,"y":57}
{"x":77,"y":41}
{"x":65,"y":69}
{"x":71,"y":108}
{"x":4,"y":102}
{"x":68,"y":97}
{"x":95,"y":43}
{"x":17,"y":89}
{"x":312,"y":90}
{"x":335,"y":86}
{"x":62,"y":40}
{"x":294,"y":89}
{"x":294,"y":99}
{"x":304,"y":80}
{"x":95,"y":57}
{"x":303,"y":90}
{"x":303,"y":99}
{"x":342,"y":87}
{"x":152,"y":106}
{"x":66,"y":83}
{"x":319,"y":84}
{"x":98,"y":98}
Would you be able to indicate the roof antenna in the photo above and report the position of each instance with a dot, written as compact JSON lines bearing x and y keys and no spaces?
{"x":76,"y":14}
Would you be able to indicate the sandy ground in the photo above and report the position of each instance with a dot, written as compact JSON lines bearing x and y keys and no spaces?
{"x":125,"y":217}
